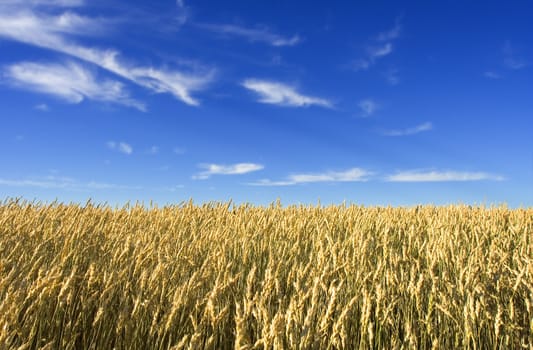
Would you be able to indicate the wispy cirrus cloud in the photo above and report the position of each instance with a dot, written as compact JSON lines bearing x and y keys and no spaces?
{"x":70,"y":82}
{"x":54,"y":3}
{"x":226,"y":169}
{"x":409,"y":131}
{"x":350,"y":175}
{"x":382,"y":46}
{"x":174,"y":188}
{"x":121,"y":147}
{"x":368,"y":107}
{"x":375,"y":52}
{"x":277,"y":93}
{"x":259,"y":34}
{"x":441,"y":176}
{"x":55,"y":182}
{"x":23,"y":22}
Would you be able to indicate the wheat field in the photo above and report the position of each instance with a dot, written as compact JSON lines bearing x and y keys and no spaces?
{"x":225,"y":276}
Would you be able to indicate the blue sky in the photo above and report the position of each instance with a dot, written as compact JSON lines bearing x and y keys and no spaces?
{"x":375,"y":103}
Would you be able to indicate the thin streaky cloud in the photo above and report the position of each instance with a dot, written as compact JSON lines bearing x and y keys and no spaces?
{"x":375,"y":52}
{"x":56,"y":33}
{"x":175,"y":188}
{"x":262,"y":34}
{"x":350,"y":175}
{"x":50,"y":182}
{"x":50,"y":3}
{"x":226,"y":169}
{"x":409,"y":131}
{"x":441,"y":176}
{"x":277,"y":93}
{"x":382,"y":47}
{"x":71,"y":82}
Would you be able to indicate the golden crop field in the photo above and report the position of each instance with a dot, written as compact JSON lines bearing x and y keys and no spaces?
{"x":222,"y":276}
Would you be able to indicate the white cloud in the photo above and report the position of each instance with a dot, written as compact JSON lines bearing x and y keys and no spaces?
{"x":368,"y":107}
{"x":382,"y":47}
{"x":70,"y":82}
{"x":262,"y":34}
{"x":511,"y":59}
{"x":492,"y":75}
{"x":122,"y":147}
{"x":42,"y":107}
{"x":53,"y":182}
{"x":409,"y":131}
{"x":441,"y":176}
{"x":284,"y":95}
{"x":350,"y":175}
{"x":125,"y":148}
{"x":376,"y":52}
{"x":373,"y":53}
{"x":220,"y":169}
{"x":51,"y":3}
{"x":56,"y":32}
{"x":175,"y":188}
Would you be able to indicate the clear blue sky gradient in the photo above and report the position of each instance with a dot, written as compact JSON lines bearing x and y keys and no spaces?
{"x":375,"y":103}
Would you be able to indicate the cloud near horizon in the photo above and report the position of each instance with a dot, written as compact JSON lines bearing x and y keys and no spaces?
{"x":350,"y":175}
{"x":54,"y":182}
{"x":277,"y":93}
{"x":441,"y":176}
{"x":223,"y":169}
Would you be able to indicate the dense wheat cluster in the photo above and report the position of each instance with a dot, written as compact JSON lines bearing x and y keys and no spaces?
{"x":219,"y":276}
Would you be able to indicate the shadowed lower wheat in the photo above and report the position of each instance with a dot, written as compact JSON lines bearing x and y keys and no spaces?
{"x":220,"y":276}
